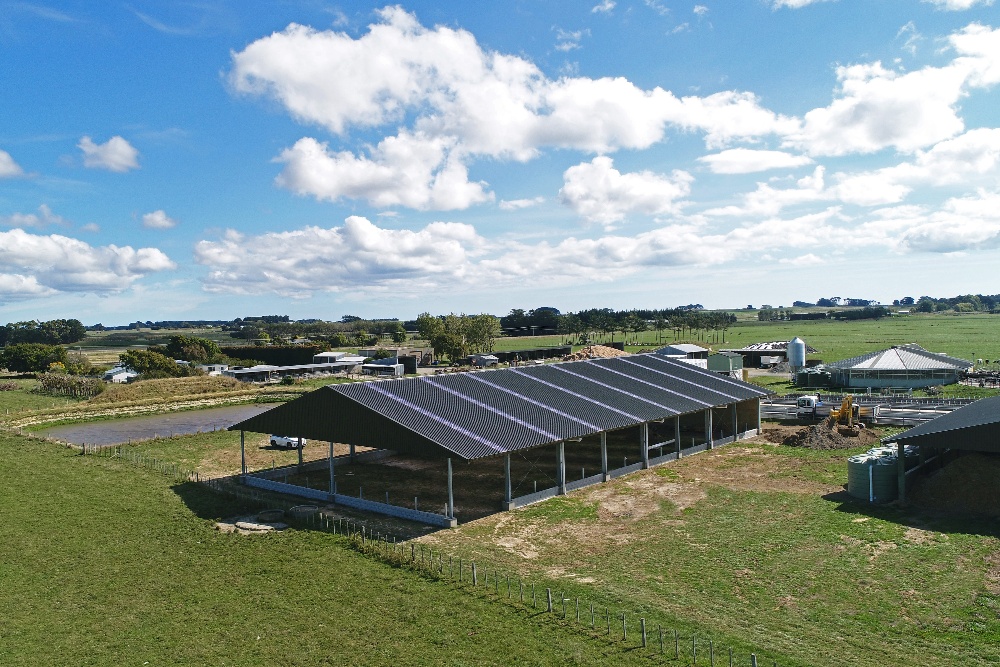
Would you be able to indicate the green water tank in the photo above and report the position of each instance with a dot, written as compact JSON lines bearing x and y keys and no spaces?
{"x":872,"y":478}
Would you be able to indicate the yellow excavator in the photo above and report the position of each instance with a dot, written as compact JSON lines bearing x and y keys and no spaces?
{"x":846,"y":418}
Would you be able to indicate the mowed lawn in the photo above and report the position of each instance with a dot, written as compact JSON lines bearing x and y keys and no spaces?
{"x":106,"y":564}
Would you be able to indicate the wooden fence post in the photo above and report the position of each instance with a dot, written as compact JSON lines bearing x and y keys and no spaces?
{"x":642,"y":625}
{"x":548,"y":597}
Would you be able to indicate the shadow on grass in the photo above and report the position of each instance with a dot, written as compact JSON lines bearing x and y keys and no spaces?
{"x":917,"y":517}
{"x":215,"y":505}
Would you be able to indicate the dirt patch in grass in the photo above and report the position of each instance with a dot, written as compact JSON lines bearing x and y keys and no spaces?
{"x":752,"y":468}
{"x":640,"y":495}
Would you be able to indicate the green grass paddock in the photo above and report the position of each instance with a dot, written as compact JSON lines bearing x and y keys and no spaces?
{"x":107,"y":564}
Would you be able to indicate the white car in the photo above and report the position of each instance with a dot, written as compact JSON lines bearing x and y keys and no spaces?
{"x":286,"y":442}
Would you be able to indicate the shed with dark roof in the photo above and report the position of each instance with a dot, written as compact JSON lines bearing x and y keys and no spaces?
{"x":974,"y":427}
{"x":494,"y":413}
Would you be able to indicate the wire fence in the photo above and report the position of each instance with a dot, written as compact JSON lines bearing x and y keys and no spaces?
{"x":631,"y":630}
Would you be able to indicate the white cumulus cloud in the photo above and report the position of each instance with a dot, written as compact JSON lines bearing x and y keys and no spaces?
{"x":960,"y":224}
{"x":116,"y":154}
{"x":794,"y":4}
{"x":748,"y":161}
{"x":9,"y":168}
{"x":357,"y":255}
{"x":603,"y":7}
{"x":518,"y":204}
{"x":958,"y":5}
{"x":768,"y":200}
{"x":35,"y":264}
{"x":158,"y":220}
{"x":877,"y":108}
{"x":43,"y":218}
{"x":451,"y":102}
{"x":416,"y":172}
{"x":600,"y":193}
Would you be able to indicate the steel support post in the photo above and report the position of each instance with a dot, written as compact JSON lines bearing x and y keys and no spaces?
{"x":508,"y":501}
{"x":561,"y":470}
{"x":451,"y":493}
{"x":708,"y":428}
{"x":901,"y":470}
{"x":677,"y":434}
{"x":243,"y":455}
{"x":333,"y":479}
{"x":644,"y":443}
{"x":604,"y":456}
{"x":736,"y":423}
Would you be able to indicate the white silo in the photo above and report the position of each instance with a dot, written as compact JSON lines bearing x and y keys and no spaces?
{"x":797,"y":353}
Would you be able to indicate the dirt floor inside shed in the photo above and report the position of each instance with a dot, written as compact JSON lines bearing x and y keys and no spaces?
{"x":478,"y":485}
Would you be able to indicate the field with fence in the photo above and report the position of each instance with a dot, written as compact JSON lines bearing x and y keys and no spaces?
{"x":106,"y":563}
{"x":751,"y":547}
{"x":967,"y":336}
{"x":758,"y":545}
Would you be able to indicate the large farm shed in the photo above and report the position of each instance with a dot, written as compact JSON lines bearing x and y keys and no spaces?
{"x":511,"y":425}
{"x":902,"y":366}
{"x":974,"y":428}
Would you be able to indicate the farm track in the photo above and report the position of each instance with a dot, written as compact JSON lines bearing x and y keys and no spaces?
{"x":84,"y":412}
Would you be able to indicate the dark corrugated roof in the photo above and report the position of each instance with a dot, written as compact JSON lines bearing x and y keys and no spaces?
{"x":974,"y":427}
{"x":484,"y":413}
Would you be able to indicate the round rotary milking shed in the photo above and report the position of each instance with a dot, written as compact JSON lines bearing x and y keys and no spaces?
{"x":464,"y":445}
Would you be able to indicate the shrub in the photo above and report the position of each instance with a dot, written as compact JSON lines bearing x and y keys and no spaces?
{"x":61,"y":384}
{"x":31,"y":357}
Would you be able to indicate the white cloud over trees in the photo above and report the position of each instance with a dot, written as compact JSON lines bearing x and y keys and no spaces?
{"x":35,"y":264}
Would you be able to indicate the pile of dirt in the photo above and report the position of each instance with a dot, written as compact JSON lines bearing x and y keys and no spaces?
{"x":967,"y":485}
{"x":594,"y":352}
{"x":820,"y":436}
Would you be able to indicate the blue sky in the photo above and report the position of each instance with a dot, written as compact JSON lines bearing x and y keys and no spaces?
{"x":196,"y":160}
